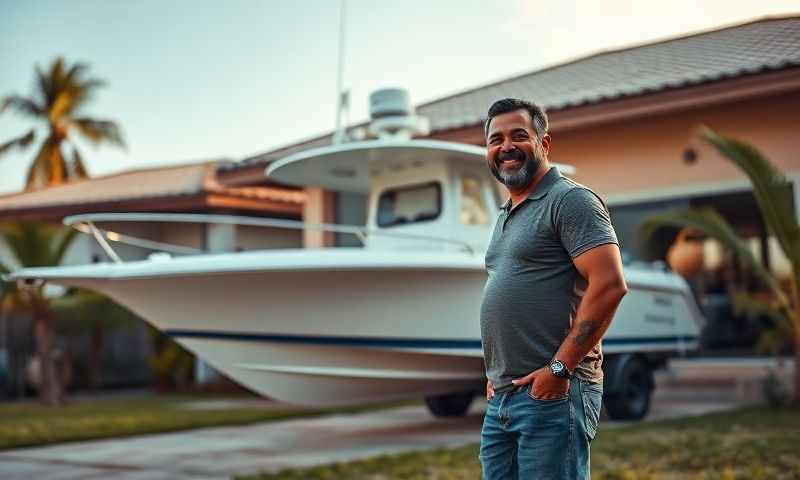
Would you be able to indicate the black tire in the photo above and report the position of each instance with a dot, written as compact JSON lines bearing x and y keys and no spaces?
{"x":450,"y":405}
{"x":631,"y":400}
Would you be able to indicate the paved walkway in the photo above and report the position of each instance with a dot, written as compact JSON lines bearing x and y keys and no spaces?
{"x":220,"y":453}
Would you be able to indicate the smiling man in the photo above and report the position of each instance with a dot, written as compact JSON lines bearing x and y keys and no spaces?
{"x":555,"y":280}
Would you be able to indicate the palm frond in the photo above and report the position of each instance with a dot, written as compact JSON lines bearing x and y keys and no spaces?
{"x":60,"y":243}
{"x":81,"y":310}
{"x":75,"y":72}
{"x":753,"y":307}
{"x":93,"y":83}
{"x":9,"y":291}
{"x":63,"y":89}
{"x":44,"y":88}
{"x":57,"y":69}
{"x":99,"y":131}
{"x":36,"y":244}
{"x":82,"y":95}
{"x":20,"y":142}
{"x":772,"y":190}
{"x":774,"y":340}
{"x":711,"y":223}
{"x":4,"y":285}
{"x":32,"y":244}
{"x":80,"y":90}
{"x":70,"y":98}
{"x":28,"y":244}
{"x":777,"y":335}
{"x":3,"y":271}
{"x":25,"y":106}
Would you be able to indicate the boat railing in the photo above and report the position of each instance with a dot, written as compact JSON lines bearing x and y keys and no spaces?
{"x":86,"y":223}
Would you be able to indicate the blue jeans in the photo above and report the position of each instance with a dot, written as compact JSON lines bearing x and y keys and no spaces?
{"x":525,"y":438}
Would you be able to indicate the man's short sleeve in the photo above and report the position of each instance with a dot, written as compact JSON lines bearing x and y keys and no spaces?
{"x":582,"y":222}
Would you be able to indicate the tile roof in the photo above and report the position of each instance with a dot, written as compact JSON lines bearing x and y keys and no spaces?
{"x":277,"y":153}
{"x":162,"y":183}
{"x":135,"y":184}
{"x":763,"y":45}
{"x":760,"y":46}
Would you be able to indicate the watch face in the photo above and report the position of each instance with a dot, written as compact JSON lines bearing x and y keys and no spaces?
{"x":557,"y":367}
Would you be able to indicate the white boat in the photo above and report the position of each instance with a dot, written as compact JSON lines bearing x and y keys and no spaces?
{"x":395,"y":319}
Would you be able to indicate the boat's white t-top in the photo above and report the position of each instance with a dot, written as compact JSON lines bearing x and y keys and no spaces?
{"x":428,"y":188}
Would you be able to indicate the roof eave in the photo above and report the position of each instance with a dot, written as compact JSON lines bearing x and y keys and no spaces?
{"x":152,"y":204}
{"x":204,"y":201}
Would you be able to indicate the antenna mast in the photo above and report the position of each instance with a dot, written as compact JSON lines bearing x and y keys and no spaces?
{"x":341,"y":101}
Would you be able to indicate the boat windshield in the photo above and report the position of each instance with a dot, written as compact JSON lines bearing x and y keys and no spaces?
{"x":409,"y":204}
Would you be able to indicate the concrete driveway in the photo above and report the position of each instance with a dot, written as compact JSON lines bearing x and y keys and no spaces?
{"x":220,"y":453}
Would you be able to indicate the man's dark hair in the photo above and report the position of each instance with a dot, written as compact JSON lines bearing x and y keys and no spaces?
{"x":507,"y":105}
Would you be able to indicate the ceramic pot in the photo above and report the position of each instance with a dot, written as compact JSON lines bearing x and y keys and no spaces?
{"x":685,"y":256}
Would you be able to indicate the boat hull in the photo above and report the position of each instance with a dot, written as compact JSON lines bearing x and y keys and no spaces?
{"x":324,"y":337}
{"x":337,"y":327}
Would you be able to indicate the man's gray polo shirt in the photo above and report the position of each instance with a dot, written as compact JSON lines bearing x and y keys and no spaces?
{"x":533,"y":289}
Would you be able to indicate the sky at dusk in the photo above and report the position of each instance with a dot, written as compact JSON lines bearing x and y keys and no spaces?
{"x":197,"y":80}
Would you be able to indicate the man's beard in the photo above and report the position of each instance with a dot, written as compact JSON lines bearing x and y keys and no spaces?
{"x":521,"y":177}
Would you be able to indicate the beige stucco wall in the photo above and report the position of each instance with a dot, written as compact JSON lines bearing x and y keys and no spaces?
{"x":258,"y":238}
{"x":182,"y":234}
{"x":646,"y":154}
{"x":186,"y":234}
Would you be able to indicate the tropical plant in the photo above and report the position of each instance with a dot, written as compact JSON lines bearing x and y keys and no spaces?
{"x":773,"y":193}
{"x":60,"y":95}
{"x":80,"y":312}
{"x":172,"y":364}
{"x":35,"y":244}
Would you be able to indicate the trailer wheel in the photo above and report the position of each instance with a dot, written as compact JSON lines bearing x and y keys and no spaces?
{"x":631,"y":400}
{"x":450,"y":405}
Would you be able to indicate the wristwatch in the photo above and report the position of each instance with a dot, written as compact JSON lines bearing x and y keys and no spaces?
{"x":558,"y":369}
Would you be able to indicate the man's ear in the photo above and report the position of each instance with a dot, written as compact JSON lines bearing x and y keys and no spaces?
{"x":546,"y":143}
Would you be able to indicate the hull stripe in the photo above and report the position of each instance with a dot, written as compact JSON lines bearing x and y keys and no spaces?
{"x":391,"y":342}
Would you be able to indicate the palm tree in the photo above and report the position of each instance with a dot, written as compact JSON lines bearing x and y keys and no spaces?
{"x":36,"y":245}
{"x":58,"y":100}
{"x":773,"y":192}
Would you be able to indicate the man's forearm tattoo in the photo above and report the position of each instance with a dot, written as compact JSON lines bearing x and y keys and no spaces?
{"x":586,"y":329}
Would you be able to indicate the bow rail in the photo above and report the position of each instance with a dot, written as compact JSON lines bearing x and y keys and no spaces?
{"x":86,"y":223}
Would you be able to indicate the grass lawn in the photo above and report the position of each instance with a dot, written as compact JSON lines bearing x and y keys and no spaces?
{"x":752,"y":444}
{"x":30,"y":424}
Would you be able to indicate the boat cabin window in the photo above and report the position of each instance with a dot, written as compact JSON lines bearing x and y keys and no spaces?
{"x":473,"y":208}
{"x":417,"y":203}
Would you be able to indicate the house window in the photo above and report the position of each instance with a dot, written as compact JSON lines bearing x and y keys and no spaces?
{"x":473,"y":208}
{"x":418,"y":203}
